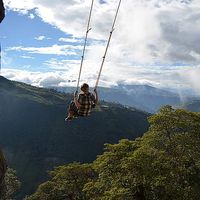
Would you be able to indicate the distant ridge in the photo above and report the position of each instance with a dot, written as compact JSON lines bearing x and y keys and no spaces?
{"x":4,"y":80}
{"x":142,"y":97}
{"x":193,"y":105}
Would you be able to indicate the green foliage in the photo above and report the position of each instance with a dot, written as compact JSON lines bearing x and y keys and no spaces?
{"x":162,"y":165}
{"x":3,"y":168}
{"x":12,"y":185}
{"x":67,"y":182}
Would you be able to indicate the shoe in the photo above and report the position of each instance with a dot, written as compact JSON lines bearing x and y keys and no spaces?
{"x":68,"y":118}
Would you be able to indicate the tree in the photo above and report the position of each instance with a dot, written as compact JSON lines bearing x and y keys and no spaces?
{"x":3,"y":168}
{"x":66,"y":183}
{"x":164,"y":164}
{"x":2,"y":11}
{"x":12,"y":185}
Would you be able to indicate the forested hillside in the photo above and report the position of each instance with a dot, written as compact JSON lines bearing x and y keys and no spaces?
{"x":193,"y":105}
{"x":161,"y":165}
{"x":35,"y":137}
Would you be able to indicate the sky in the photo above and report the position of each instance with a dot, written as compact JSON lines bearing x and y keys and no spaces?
{"x":155,"y":42}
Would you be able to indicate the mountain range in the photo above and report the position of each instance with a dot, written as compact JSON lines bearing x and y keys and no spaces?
{"x":193,"y":105}
{"x":143,"y":97}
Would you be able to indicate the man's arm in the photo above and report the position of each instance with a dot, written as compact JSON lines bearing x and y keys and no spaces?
{"x":76,"y":100}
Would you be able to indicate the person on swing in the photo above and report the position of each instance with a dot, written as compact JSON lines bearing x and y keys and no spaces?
{"x":82,"y":103}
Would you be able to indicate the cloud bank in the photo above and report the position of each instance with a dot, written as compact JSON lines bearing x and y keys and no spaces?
{"x":148,"y":33}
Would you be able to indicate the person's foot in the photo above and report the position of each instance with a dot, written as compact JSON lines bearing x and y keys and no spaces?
{"x":69,"y":118}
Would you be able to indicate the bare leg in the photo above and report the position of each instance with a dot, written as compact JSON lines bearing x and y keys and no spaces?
{"x":72,"y":111}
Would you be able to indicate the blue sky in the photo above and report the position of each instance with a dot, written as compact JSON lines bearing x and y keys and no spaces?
{"x":19,"y":30}
{"x":155,"y":42}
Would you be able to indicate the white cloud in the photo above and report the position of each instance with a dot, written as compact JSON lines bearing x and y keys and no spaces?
{"x":172,"y":77}
{"x":191,"y":77}
{"x":70,"y":66}
{"x":27,"y":57}
{"x":22,"y":6}
{"x":51,"y":50}
{"x":160,"y":32}
{"x":147,"y":31}
{"x":35,"y":78}
{"x":5,"y":59}
{"x":41,"y":37}
{"x":71,"y":40}
{"x":31,"y":16}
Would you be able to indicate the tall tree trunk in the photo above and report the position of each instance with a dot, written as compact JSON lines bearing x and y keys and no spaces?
{"x":2,"y":11}
{"x":3,"y":168}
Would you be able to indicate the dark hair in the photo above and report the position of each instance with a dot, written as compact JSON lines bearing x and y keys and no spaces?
{"x":84,"y":86}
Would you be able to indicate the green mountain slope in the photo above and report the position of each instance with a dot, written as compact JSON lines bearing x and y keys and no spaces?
{"x":193,"y":105}
{"x":36,"y":138}
{"x":143,"y":97}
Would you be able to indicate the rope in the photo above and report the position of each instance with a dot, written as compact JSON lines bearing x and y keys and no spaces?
{"x":86,"y":36}
{"x":108,"y":43}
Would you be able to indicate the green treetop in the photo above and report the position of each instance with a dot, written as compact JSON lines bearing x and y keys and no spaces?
{"x":162,"y":165}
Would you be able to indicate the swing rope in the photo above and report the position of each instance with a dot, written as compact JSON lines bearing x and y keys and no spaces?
{"x":108,"y":43}
{"x":85,"y":42}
